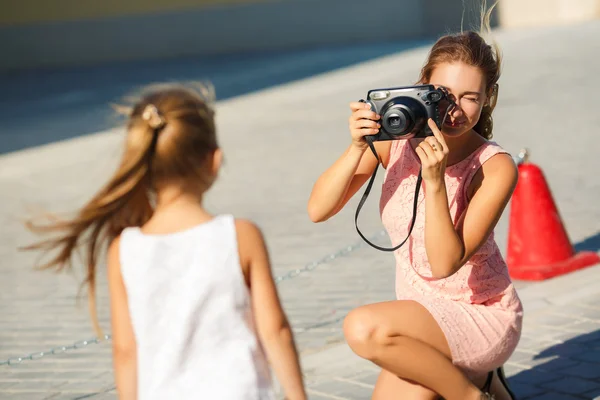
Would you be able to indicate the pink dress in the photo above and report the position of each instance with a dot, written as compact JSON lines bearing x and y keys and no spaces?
{"x":477,"y":308}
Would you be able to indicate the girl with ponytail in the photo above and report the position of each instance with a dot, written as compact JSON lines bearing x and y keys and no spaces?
{"x":194,"y":309}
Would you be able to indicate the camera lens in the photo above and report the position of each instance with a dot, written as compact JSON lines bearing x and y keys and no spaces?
{"x":403,"y":116}
{"x":394,"y":122}
{"x":397,"y":120}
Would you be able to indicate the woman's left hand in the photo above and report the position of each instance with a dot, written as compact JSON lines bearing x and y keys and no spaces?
{"x":433,"y":153}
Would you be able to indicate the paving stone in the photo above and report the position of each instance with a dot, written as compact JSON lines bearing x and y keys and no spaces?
{"x":591,"y":357}
{"x":554,"y":396}
{"x":593,"y":394}
{"x":584,"y":370}
{"x":571,"y":385}
{"x":524,"y":391}
{"x":536,"y":377}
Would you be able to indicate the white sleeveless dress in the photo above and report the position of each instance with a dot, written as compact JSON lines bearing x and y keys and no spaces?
{"x":191,"y":315}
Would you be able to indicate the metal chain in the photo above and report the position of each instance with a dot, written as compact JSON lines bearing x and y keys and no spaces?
{"x":290,"y":275}
{"x":55,"y":350}
{"x":320,"y":324}
{"x":314,"y":264}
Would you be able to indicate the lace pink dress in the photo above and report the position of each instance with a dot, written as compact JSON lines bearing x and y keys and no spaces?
{"x":477,"y":308}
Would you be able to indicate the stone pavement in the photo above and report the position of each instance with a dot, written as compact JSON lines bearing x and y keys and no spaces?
{"x":276,"y":142}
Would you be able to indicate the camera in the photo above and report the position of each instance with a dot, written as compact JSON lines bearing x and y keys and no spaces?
{"x":405,"y":110}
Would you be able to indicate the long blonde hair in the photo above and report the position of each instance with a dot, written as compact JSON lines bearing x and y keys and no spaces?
{"x":170,"y":134}
{"x":471,"y":48}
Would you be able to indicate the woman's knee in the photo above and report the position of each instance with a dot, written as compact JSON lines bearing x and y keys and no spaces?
{"x":365,"y":333}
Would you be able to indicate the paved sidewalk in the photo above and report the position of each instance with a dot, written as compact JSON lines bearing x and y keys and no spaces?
{"x":277,"y":142}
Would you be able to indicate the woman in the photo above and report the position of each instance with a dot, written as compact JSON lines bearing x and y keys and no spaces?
{"x":457,"y":317}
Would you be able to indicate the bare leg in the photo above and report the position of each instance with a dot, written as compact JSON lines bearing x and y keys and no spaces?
{"x":390,"y":387}
{"x":403,"y":338}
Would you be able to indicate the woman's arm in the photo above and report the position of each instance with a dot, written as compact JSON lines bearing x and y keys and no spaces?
{"x":342,"y":180}
{"x":336,"y":186}
{"x":124,"y":345}
{"x":448,"y":247}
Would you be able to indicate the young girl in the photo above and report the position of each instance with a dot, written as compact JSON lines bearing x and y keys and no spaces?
{"x":193,"y":301}
{"x":458,"y":317}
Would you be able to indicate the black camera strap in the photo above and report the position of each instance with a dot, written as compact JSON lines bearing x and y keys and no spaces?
{"x":369,"y":140}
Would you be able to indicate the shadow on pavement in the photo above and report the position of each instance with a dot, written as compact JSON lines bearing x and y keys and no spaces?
{"x":573,"y":368}
{"x":591,"y":243}
{"x":40,"y":107}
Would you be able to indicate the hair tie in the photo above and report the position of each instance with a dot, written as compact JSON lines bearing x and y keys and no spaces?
{"x":152,"y":117}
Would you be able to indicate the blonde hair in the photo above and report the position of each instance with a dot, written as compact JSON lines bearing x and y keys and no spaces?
{"x":471,"y":48}
{"x":170,"y":135}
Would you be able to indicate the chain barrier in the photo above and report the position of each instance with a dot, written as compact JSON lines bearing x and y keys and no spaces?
{"x":331,"y":257}
{"x":290,"y":275}
{"x":55,"y":350}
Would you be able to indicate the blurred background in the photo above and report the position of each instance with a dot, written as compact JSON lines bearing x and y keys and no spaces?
{"x":64,"y":60}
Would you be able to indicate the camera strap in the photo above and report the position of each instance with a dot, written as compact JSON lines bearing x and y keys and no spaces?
{"x":369,"y":140}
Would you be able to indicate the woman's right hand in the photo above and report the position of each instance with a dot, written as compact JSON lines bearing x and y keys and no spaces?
{"x":362,"y":122}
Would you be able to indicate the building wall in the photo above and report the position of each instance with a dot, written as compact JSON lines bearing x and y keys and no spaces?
{"x":529,"y":13}
{"x":23,"y":12}
{"x":43,"y":33}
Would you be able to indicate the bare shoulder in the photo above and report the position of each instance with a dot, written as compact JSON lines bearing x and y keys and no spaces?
{"x":501,"y":167}
{"x":248,"y":231}
{"x":252,"y":249}
{"x":499,"y":174}
{"x":113,"y":250}
{"x":113,"y":261}
{"x":251,"y":242}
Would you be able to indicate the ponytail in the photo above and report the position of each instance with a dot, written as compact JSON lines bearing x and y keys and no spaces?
{"x":124,"y":201}
{"x":156,"y":152}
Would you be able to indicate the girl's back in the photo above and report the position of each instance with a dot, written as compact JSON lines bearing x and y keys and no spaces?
{"x":192,"y":298}
{"x":191,"y":314}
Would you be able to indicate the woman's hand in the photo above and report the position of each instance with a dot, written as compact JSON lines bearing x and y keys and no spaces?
{"x":362,"y":122}
{"x":433,"y":153}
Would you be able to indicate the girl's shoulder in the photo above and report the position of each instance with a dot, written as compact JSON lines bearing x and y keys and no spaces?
{"x":252,"y":248}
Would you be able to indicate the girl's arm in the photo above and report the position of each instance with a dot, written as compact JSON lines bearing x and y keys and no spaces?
{"x":123,"y":339}
{"x":273,"y":328}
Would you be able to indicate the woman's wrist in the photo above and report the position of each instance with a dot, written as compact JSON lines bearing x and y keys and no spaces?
{"x":435,"y":186}
{"x":358,"y":148}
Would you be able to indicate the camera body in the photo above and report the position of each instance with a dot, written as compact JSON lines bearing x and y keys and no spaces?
{"x":405,"y":110}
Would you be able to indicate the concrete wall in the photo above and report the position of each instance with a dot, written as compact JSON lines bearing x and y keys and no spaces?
{"x":530,"y":13}
{"x":34,"y":33}
{"x":20,"y":12}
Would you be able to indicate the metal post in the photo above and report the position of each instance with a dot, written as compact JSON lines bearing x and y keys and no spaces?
{"x":522,"y":157}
